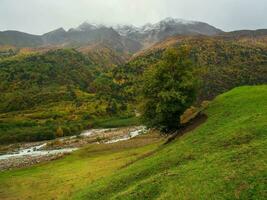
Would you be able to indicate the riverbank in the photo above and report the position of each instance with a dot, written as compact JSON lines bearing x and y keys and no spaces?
{"x":61,"y":178}
{"x":27,"y":154}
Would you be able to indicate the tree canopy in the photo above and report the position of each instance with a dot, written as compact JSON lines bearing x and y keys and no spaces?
{"x":169,"y":88}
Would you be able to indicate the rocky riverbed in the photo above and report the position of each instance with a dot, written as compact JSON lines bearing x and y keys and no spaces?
{"x":27,"y":154}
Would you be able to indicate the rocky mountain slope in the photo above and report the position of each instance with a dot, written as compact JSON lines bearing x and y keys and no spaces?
{"x":152,"y":33}
{"x":121,"y":38}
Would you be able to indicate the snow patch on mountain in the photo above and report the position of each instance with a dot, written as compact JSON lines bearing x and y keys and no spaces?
{"x":129,"y":29}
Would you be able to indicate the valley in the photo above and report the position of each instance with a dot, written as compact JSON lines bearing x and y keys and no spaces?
{"x":75,"y":171}
{"x":170,"y":110}
{"x":219,"y":156}
{"x":27,"y":154}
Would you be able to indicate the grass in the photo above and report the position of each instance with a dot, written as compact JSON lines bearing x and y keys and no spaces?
{"x":225,"y":158}
{"x":62,"y":178}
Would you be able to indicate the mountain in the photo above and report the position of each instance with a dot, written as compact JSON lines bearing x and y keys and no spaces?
{"x":59,"y":68}
{"x":41,"y":92}
{"x":58,"y":36}
{"x":121,"y":38}
{"x":20,"y":39}
{"x":62,"y":87}
{"x":103,"y":55}
{"x":223,"y":62}
{"x":85,"y":34}
{"x":47,"y":86}
{"x":152,"y":33}
{"x":89,"y":34}
{"x":247,"y":33}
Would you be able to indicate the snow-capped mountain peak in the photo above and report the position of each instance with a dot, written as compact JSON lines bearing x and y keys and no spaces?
{"x":125,"y":30}
{"x":86,"y":26}
{"x":177,"y":21}
{"x":151,"y":33}
{"x":129,"y":29}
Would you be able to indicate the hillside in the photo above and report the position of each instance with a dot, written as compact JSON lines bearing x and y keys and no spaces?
{"x":104,"y":56}
{"x":41,"y":92}
{"x":224,"y":158}
{"x":74,"y":171}
{"x":40,"y":71}
{"x":19,"y":39}
{"x":100,"y":54}
{"x":223,"y":62}
{"x":43,"y":89}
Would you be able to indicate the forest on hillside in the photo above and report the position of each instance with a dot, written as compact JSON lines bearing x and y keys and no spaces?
{"x":42,"y":92}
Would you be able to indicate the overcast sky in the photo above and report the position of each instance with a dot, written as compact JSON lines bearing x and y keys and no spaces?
{"x":40,"y":16}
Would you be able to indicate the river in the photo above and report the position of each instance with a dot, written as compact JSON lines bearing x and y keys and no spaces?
{"x":33,"y":152}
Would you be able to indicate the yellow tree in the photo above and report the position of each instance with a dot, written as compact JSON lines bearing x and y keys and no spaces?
{"x":59,"y":132}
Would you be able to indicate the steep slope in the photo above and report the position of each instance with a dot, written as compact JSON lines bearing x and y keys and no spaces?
{"x":19,"y":39}
{"x":223,"y":62}
{"x":90,"y":34}
{"x":85,"y":34}
{"x":100,"y":54}
{"x":122,"y":38}
{"x":74,"y":171}
{"x":104,"y":56}
{"x":152,"y":33}
{"x":41,"y":92}
{"x":225,"y":158}
{"x":58,"y":36}
{"x":248,"y":33}
{"x":58,"y":68}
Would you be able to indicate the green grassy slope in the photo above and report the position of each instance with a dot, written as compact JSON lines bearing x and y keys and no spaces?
{"x":225,"y":158}
{"x":61,"y":178}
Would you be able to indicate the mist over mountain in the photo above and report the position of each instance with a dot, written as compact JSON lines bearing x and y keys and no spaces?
{"x":147,"y":107}
{"x":122,"y":38}
{"x":152,"y":33}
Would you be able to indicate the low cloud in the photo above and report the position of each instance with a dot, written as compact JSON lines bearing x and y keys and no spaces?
{"x":40,"y":16}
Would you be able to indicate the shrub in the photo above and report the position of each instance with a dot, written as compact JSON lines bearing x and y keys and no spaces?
{"x":59,"y":132}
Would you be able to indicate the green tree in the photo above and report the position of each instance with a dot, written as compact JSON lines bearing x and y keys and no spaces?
{"x":168,"y":89}
{"x":107,"y":90}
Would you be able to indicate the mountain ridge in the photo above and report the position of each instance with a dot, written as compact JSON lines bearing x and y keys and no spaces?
{"x":131,"y":38}
{"x":126,"y":40}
